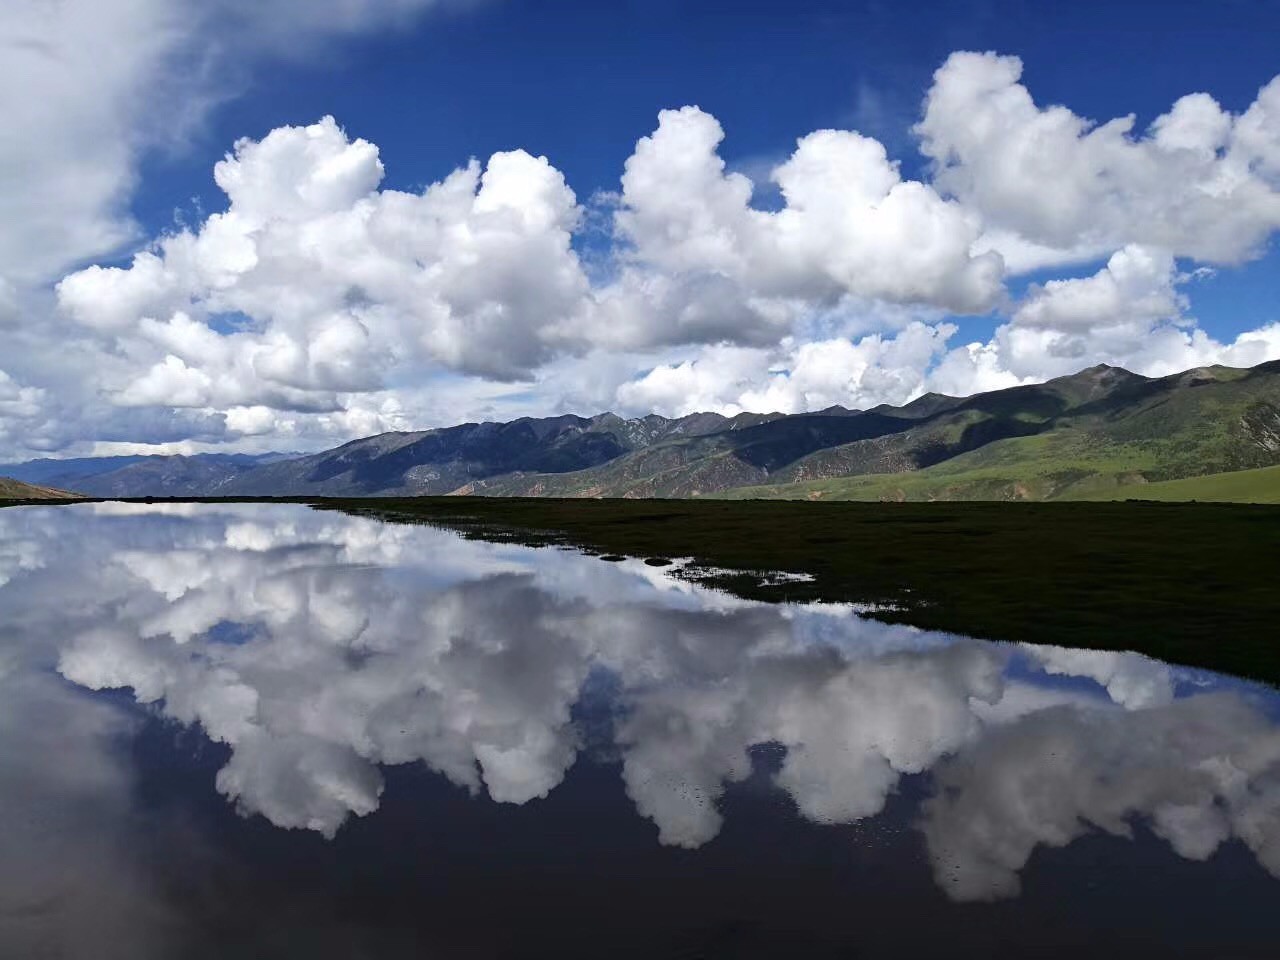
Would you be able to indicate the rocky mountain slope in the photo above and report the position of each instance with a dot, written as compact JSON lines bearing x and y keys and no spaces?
{"x":140,"y":476}
{"x":1101,"y":428}
{"x":1112,"y":429}
{"x":447,"y":460}
{"x":1077,"y":436}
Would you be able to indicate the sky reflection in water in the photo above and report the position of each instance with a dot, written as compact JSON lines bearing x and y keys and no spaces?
{"x":329,"y":658}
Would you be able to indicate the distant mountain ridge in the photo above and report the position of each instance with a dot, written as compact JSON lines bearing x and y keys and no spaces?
{"x":447,"y":460}
{"x":1076,"y":436}
{"x":141,"y":476}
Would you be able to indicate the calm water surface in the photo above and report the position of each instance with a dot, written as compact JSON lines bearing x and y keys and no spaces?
{"x":267,"y":731}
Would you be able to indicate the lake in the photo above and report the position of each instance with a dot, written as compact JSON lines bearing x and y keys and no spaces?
{"x":262,"y":730}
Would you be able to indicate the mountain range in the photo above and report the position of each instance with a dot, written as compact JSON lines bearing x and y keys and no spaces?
{"x":141,"y":476}
{"x":1087,"y":435}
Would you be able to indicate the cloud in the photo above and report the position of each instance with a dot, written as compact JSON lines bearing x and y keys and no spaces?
{"x":1131,"y":313}
{"x":1051,"y":186}
{"x":1131,"y":680}
{"x":22,"y":410}
{"x":340,"y":288}
{"x":318,"y":306}
{"x":17,"y":401}
{"x":87,"y":88}
{"x":319,"y":691}
{"x":339,"y":282}
{"x":67,"y":82}
{"x":1198,"y":772}
{"x":795,"y":378}
{"x":325,"y":691}
{"x":1136,"y":286}
{"x":851,"y":729}
{"x":700,"y":264}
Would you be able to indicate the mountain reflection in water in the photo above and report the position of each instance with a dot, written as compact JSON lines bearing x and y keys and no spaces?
{"x":584,"y":727}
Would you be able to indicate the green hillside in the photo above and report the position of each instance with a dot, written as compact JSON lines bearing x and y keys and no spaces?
{"x":1243,"y":486}
{"x":16,"y":490}
{"x":1137,"y":432}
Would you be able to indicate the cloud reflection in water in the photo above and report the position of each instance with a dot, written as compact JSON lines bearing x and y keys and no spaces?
{"x":322,"y":648}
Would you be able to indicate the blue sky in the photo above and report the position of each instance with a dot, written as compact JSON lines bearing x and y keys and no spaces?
{"x":580,"y":80}
{"x":580,"y":83}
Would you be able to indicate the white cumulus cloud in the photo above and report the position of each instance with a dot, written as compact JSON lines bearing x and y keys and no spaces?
{"x":318,"y":306}
{"x":1051,"y":185}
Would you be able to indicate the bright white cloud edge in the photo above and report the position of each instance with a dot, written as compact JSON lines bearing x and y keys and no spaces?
{"x":318,"y":307}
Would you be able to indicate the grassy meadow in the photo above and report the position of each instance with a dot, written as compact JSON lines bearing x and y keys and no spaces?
{"x":1241,"y":486}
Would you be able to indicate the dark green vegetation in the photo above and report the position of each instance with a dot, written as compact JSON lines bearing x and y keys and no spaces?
{"x":15,"y":490}
{"x":1194,"y":584}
